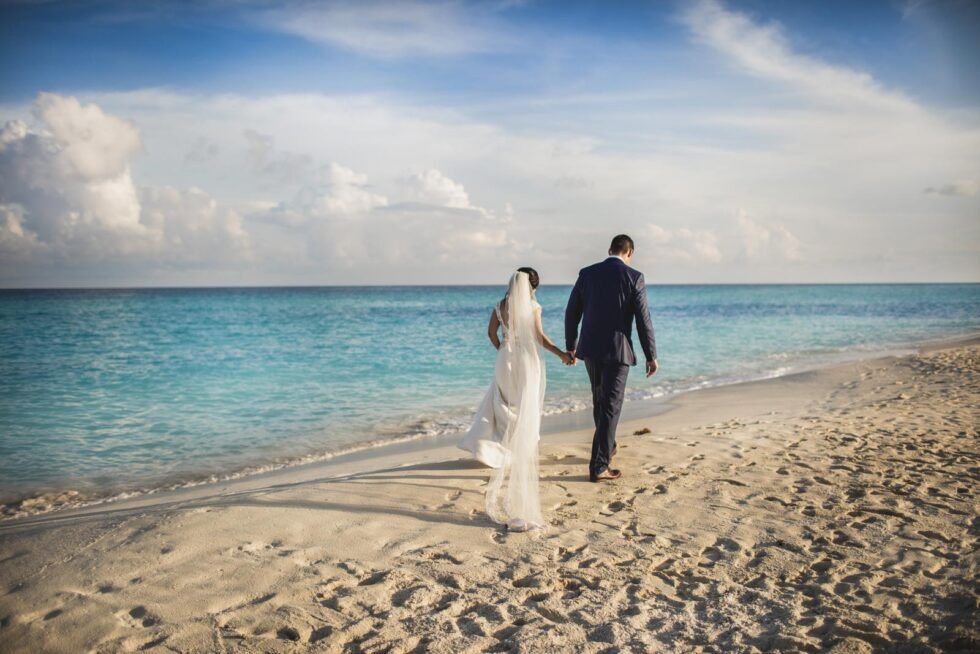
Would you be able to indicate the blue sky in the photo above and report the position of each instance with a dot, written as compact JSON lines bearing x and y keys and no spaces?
{"x":925,"y":48}
{"x":242,"y":141}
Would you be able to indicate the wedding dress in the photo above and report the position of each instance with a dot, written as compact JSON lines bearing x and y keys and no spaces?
{"x":506,"y":428}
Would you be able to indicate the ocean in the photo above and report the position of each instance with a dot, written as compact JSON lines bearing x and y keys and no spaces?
{"x":113,"y":391}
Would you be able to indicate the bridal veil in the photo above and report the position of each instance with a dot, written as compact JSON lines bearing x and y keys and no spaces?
{"x":512,"y":493}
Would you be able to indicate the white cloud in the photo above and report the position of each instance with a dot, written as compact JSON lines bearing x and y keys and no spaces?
{"x":68,"y":195}
{"x":192,"y":227}
{"x":339,"y":193}
{"x":763,"y":50}
{"x":433,"y":187}
{"x":341,"y":223}
{"x":389,"y":28}
{"x":71,"y":178}
{"x":682,"y":245}
{"x":766,"y":242}
{"x":89,"y":144}
{"x":16,"y":244}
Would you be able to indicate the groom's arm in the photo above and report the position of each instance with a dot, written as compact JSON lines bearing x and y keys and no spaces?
{"x":573,"y":314}
{"x":644,"y":326}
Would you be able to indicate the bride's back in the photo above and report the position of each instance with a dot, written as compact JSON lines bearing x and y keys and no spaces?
{"x":504,"y":318}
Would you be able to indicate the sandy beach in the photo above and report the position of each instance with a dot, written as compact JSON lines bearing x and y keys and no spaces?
{"x":833,"y":510}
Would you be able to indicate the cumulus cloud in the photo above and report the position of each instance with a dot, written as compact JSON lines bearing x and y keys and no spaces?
{"x":68,"y":194}
{"x":191,"y":227}
{"x":431,"y":191}
{"x":683,"y":244}
{"x":71,"y":178}
{"x":766,"y":242}
{"x":339,"y":193}
{"x":16,"y":244}
{"x":431,"y":186}
{"x":342,"y":221}
{"x":89,"y":143}
{"x":749,"y":240}
{"x":68,"y":197}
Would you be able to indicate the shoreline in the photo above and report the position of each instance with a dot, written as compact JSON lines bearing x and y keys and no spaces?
{"x":829,"y":510}
{"x":419,"y":445}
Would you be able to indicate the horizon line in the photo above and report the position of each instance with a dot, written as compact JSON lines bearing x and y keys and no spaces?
{"x":475,"y":285}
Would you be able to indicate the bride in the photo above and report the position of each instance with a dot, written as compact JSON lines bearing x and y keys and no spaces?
{"x":506,"y":428}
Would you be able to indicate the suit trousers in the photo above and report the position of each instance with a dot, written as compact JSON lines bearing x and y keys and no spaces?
{"x":608,"y":379}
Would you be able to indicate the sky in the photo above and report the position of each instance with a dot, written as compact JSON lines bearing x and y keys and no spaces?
{"x":248,"y":142}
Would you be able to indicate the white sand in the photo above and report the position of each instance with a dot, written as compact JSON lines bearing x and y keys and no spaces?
{"x":833,"y":510}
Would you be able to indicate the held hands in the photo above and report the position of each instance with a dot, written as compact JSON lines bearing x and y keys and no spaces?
{"x":568,"y":358}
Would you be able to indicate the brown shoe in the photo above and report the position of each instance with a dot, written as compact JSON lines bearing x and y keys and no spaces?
{"x":606,"y":475}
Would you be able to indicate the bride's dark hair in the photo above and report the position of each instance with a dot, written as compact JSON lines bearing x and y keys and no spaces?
{"x":532,"y":275}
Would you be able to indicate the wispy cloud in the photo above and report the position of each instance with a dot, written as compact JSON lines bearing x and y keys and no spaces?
{"x":392,"y":28}
{"x":763,"y":49}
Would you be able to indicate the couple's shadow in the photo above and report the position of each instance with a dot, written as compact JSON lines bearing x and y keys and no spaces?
{"x":463,"y":465}
{"x":418,"y":475}
{"x":421,"y":475}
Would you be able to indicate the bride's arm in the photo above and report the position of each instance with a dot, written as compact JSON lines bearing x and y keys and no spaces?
{"x":546,"y":342}
{"x":492,"y":329}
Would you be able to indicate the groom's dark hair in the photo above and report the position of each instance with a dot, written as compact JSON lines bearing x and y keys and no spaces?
{"x":621,"y":244}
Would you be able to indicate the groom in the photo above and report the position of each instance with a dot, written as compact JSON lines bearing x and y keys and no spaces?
{"x":606,"y":298}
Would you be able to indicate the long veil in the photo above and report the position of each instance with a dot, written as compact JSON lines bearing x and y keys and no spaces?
{"x":512,"y":494}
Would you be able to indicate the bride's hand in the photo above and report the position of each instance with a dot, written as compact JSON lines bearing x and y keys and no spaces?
{"x":567,"y":359}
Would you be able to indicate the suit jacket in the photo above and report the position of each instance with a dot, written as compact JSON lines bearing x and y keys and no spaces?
{"x":606,"y":298}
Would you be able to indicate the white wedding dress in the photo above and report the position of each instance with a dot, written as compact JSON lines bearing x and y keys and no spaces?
{"x":507,"y":425}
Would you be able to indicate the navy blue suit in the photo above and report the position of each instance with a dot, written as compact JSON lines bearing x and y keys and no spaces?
{"x":606,"y":299}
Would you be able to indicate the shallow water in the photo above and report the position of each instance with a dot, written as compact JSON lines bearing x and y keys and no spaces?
{"x":110,"y":390}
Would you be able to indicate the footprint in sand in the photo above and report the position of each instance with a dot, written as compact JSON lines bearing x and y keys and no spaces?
{"x":716,"y":552}
{"x":565,"y":505}
{"x":445,"y":556}
{"x":450,"y":500}
{"x":138,"y":617}
{"x":613,"y":507}
{"x":566,"y":554}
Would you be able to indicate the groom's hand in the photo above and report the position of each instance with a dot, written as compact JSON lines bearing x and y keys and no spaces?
{"x":651,"y":367}
{"x":571,"y":353}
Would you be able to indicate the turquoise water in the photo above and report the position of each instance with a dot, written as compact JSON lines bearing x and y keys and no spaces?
{"x":105,"y":391}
